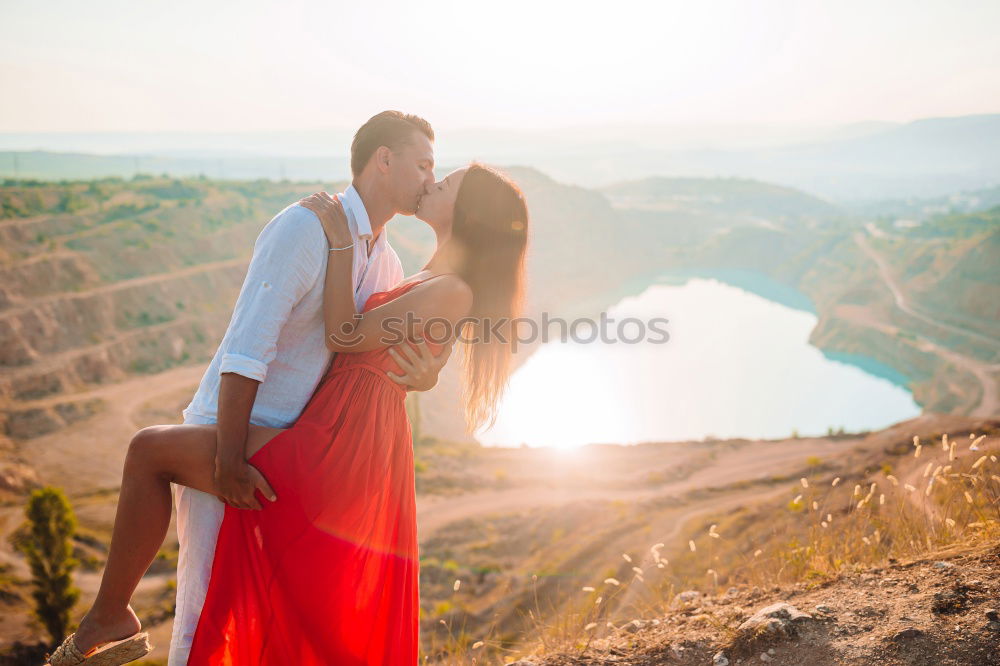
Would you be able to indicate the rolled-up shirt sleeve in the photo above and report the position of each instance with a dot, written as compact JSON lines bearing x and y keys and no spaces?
{"x":288,"y":257}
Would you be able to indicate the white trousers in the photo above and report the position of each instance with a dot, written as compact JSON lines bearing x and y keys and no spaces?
{"x":199,"y":516}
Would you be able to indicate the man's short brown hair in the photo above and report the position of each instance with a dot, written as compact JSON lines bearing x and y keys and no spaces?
{"x":389,"y":128}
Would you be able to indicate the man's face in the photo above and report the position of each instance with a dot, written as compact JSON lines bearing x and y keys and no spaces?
{"x":411,"y":173}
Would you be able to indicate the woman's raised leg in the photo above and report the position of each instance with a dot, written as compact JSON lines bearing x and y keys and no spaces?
{"x":157,"y":456}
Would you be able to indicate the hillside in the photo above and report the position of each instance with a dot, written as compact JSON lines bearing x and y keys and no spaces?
{"x":106,"y":280}
{"x":938,"y":610}
{"x":115,"y":294}
{"x":949,"y":267}
{"x":736,"y":525}
{"x":725,"y":197}
{"x":724,"y":514}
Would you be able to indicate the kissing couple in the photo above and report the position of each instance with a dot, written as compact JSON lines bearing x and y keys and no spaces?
{"x":293,"y":471}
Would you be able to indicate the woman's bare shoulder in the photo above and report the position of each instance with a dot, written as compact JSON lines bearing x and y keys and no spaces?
{"x":447,"y":292}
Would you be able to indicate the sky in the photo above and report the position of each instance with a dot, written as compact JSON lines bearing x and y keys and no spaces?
{"x":192,"y":65}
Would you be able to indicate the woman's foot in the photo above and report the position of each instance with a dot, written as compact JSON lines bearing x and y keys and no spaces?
{"x":97,"y":628}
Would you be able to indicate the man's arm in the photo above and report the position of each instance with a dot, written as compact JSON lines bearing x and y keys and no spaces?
{"x":235,"y":478}
{"x":286,"y":263}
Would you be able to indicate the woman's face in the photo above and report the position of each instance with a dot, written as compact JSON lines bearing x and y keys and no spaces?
{"x":437,"y":207}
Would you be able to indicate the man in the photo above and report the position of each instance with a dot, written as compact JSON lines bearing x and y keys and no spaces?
{"x":274,"y":352}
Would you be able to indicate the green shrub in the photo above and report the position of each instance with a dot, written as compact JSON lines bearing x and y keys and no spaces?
{"x":47,"y":543}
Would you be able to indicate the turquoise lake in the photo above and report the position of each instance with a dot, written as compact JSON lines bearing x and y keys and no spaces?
{"x":737,"y":364}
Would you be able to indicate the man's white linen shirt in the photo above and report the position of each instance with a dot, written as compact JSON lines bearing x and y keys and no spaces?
{"x":277,"y":330}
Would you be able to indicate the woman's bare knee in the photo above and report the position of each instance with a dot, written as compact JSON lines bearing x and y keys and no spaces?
{"x":181,"y":454}
{"x":159,"y":450}
{"x":146,"y":451}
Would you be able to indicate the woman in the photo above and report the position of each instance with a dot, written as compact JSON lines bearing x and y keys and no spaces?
{"x":327,"y":571}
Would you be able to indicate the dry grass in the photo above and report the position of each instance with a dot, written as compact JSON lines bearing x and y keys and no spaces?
{"x":945,"y":493}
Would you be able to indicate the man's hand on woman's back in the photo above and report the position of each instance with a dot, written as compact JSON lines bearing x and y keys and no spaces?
{"x":420,"y":366}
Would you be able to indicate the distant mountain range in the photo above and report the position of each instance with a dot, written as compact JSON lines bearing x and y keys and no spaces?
{"x":856,"y":163}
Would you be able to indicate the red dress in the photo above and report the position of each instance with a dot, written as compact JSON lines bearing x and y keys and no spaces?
{"x":328,"y":574}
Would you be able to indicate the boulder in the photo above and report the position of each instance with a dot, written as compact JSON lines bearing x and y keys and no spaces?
{"x":774,"y":622}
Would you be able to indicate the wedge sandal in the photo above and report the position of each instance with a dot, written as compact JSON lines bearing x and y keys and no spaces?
{"x":111,"y":653}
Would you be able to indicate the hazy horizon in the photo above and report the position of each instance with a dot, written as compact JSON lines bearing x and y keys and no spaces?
{"x":335,"y":141}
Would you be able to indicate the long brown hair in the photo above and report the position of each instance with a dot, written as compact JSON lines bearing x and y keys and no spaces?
{"x":490,"y":232}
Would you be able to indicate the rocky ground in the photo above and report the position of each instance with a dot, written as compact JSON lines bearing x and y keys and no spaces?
{"x":938,"y":611}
